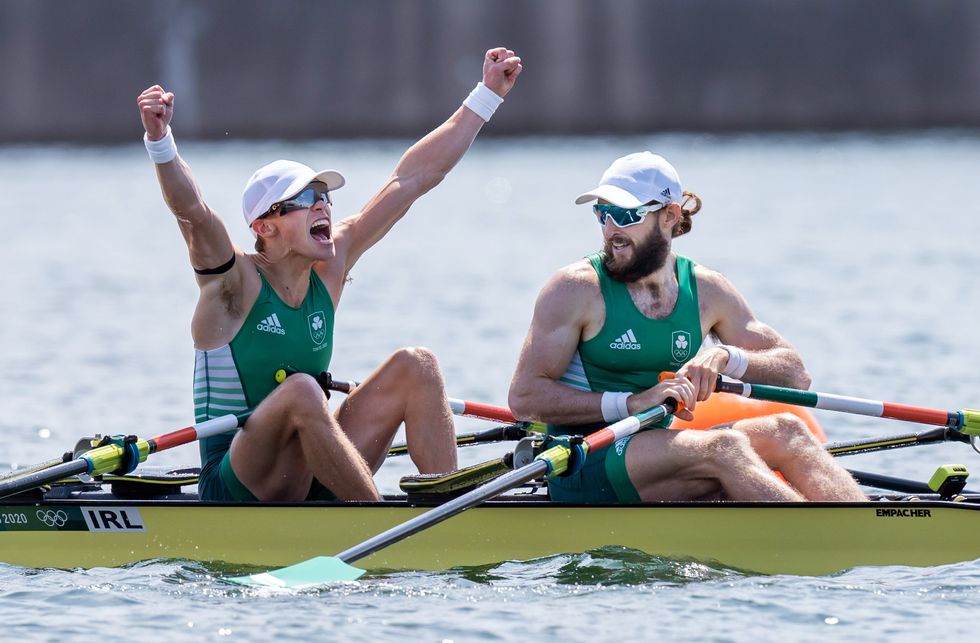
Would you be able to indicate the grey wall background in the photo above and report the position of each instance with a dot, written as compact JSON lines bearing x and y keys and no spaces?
{"x":71,"y":70}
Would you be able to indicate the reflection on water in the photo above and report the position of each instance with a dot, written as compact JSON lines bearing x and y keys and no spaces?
{"x":606,"y":566}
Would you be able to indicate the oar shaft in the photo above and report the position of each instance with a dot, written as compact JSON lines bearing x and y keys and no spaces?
{"x":554,"y":461}
{"x":109,"y":457}
{"x":43,"y":477}
{"x":481,"y":410}
{"x":496,"y":434}
{"x":843,"y":403}
{"x":870,"y":445}
{"x":199,"y":431}
{"x":20,"y":473}
{"x":442,"y":512}
{"x":458,"y":406}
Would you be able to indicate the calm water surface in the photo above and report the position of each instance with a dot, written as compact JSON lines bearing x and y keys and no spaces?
{"x":860,"y":250}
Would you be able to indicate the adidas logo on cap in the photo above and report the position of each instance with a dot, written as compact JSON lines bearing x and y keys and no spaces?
{"x":271,"y":325}
{"x":627,"y":342}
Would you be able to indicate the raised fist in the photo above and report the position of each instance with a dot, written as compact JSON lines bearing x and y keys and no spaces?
{"x":500,"y":70}
{"x":156,"y":109}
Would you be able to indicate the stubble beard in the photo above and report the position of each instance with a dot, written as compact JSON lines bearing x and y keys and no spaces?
{"x":649,"y":255}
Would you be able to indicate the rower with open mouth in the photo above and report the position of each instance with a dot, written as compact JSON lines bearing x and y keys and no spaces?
{"x":270,"y":313}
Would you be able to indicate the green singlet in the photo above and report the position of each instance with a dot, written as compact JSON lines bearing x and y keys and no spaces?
{"x":237,"y":376}
{"x":628,"y":355}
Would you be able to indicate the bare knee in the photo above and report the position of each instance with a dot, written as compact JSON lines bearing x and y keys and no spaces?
{"x":416,"y":362}
{"x":725,"y":445}
{"x":790,"y":429}
{"x":300,"y":396}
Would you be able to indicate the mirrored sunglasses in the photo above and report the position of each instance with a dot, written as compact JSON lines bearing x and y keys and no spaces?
{"x":302,"y":201}
{"x":624,"y":217}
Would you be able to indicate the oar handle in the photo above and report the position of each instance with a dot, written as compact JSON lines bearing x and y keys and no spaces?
{"x":966,"y":421}
{"x":458,"y":406}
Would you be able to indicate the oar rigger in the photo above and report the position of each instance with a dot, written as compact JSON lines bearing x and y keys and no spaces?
{"x":949,"y":480}
{"x":120,"y":453}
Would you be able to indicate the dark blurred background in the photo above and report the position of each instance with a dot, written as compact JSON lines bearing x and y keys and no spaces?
{"x":71,"y":70}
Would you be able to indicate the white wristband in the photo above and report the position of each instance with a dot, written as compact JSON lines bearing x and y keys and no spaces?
{"x":483,"y":101}
{"x":738,"y":361}
{"x":162,"y":151}
{"x":614,"y":406}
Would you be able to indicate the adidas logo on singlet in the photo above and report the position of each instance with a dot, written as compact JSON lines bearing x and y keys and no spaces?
{"x":626,"y":343}
{"x":271,"y":325}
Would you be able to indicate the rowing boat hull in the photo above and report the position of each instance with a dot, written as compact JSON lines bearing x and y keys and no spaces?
{"x":769,"y":538}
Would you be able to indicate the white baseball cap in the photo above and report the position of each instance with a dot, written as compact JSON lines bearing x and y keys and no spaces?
{"x":637,"y":179}
{"x":279,"y":181}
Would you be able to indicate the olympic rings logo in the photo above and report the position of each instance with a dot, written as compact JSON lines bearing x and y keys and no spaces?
{"x":52,"y":518}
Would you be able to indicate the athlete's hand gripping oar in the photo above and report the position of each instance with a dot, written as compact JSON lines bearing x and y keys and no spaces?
{"x":554,"y":461}
{"x":965,"y":421}
{"x":121,"y":454}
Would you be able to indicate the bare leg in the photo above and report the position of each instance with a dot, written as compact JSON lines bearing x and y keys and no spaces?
{"x":407,"y":387}
{"x":785,"y":443}
{"x":291,"y":437}
{"x":688,"y":465}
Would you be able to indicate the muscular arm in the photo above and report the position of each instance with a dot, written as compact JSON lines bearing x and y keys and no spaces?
{"x":207,"y":239}
{"x":556,"y":329}
{"x":772,"y":359}
{"x":423,"y":166}
{"x":220,"y":309}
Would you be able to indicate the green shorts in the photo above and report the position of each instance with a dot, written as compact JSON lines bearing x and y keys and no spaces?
{"x":603,"y":480}
{"x":224,"y":486}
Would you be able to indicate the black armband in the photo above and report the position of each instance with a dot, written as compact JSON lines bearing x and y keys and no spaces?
{"x":223,"y":268}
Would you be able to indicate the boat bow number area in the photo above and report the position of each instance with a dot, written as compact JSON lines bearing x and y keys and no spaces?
{"x":73,"y":518}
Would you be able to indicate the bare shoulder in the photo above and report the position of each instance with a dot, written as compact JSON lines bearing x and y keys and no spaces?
{"x":719,"y":301}
{"x":572,"y":294}
{"x":713,"y":286}
{"x":577,"y":279}
{"x":225,"y":301}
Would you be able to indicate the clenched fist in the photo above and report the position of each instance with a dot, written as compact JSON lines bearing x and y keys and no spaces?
{"x":156,"y":109}
{"x":500,"y":70}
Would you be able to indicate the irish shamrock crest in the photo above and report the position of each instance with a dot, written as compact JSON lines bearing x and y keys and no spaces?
{"x":681,"y":345}
{"x":318,"y":329}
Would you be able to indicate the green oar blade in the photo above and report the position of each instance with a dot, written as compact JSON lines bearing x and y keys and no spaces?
{"x":309,"y":573}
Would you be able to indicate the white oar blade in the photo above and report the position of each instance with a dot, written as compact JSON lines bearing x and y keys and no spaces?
{"x":309,"y":573}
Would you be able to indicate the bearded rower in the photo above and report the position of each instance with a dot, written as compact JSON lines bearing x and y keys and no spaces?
{"x":605,"y":327}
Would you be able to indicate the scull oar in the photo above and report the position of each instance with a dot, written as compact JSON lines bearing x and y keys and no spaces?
{"x":965,"y":421}
{"x":553,"y":461}
{"x":870,"y":445}
{"x":120,"y":454}
{"x":503,"y":433}
{"x":468,"y":408}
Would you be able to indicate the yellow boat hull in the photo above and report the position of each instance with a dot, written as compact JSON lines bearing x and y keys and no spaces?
{"x":768,"y":538}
